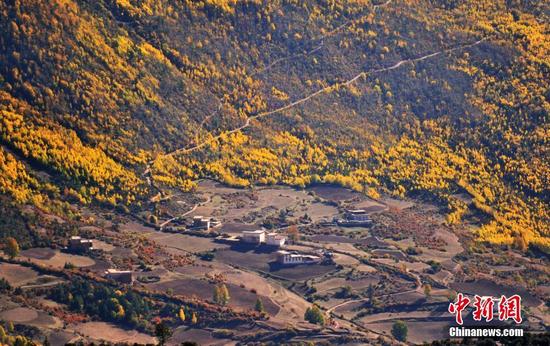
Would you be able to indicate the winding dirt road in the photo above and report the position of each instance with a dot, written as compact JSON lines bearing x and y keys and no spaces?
{"x":327,"y":89}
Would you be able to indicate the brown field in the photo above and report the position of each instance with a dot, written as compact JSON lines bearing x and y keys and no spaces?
{"x":200,"y":336}
{"x":211,"y":186}
{"x":452,"y":247}
{"x":103,"y":246}
{"x":17,"y":275}
{"x":335,"y":284}
{"x":365,"y":268}
{"x":31,"y":317}
{"x":196,"y":270}
{"x":229,"y":204}
{"x":346,"y":260}
{"x":371,"y":206}
{"x":389,"y":253}
{"x":60,"y":337}
{"x":347,"y":248}
{"x":134,"y":226}
{"x":241,"y":298}
{"x":349,"y":310}
{"x":328,"y":238}
{"x":391,"y":316}
{"x":19,"y":315}
{"x":334,"y":193}
{"x":414,"y":266}
{"x":406,"y":298}
{"x":186,"y":242}
{"x":397,"y":204}
{"x":38,"y":253}
{"x":257,"y":260}
{"x":319,"y":211}
{"x":373,"y":242}
{"x":107,"y":331}
{"x":237,"y":227}
{"x":418,"y":331}
{"x":54,"y":258}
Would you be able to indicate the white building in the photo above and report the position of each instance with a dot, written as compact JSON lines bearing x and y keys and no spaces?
{"x":253,"y":237}
{"x":78,"y":244}
{"x":289,"y":258}
{"x":124,"y":276}
{"x":200,"y":222}
{"x":357,"y":215}
{"x":275,"y":239}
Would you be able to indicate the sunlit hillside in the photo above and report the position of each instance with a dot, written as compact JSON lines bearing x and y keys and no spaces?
{"x":105,"y":102}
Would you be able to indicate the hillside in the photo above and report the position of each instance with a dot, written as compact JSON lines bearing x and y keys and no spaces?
{"x":105,"y":102}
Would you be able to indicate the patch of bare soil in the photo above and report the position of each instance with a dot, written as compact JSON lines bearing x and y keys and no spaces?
{"x":371,"y":206}
{"x":334,"y":284}
{"x":17,"y":275}
{"x":60,"y":337}
{"x":19,"y":315}
{"x":395,"y":254}
{"x":44,"y":257}
{"x":328,"y":238}
{"x":258,"y":259}
{"x":334,"y":193}
{"x":112,"y":333}
{"x":238,"y":228}
{"x":397,"y":203}
{"x":241,"y":297}
{"x":186,"y":242}
{"x":30,"y":316}
{"x":38,"y":253}
{"x":419,"y":332}
{"x":200,"y":336}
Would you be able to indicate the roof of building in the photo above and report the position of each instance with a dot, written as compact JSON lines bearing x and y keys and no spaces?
{"x":274,"y":235}
{"x":357,"y":211}
{"x":80,"y":240}
{"x":255,"y":232}
{"x":310,"y":257}
{"x":116,"y":271}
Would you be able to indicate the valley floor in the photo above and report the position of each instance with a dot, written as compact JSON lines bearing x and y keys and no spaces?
{"x":406,"y":267}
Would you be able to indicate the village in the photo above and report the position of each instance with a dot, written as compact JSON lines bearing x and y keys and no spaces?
{"x":364,"y":263}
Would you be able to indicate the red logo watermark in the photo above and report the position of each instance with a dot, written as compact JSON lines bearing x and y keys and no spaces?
{"x":508,"y":308}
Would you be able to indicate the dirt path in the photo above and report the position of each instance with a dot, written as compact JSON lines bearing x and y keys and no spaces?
{"x":177,"y":217}
{"x":327,"y":89}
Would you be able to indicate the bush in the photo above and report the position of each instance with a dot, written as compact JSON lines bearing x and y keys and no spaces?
{"x":412,"y":251}
{"x":314,"y":315}
{"x":207,"y":256}
{"x":435,"y":267}
{"x":4,"y":285}
{"x":400,"y":330}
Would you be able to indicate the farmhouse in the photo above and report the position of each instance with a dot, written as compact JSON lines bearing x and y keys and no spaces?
{"x":289,"y":258}
{"x":355,"y":218}
{"x":77,"y":244}
{"x":123,"y":276}
{"x":201,"y":223}
{"x":357,"y":215}
{"x":253,"y":237}
{"x":275,"y":239}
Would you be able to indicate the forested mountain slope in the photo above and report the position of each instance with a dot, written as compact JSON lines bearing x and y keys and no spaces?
{"x":429,"y":98}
